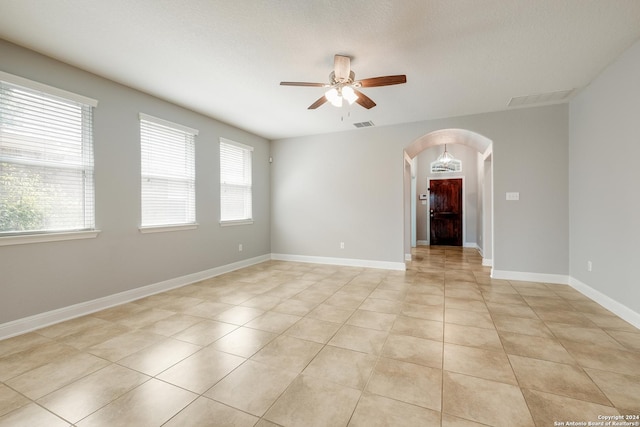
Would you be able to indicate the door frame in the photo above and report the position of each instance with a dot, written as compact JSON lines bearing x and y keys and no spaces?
{"x":464,"y":210}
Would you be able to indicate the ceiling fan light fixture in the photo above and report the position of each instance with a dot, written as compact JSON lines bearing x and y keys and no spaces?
{"x":333,"y":96}
{"x":336,"y":95}
{"x":349,"y":94}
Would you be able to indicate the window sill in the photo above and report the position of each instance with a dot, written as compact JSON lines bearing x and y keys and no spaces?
{"x":236,"y":222}
{"x":47,"y":237}
{"x":167,"y":228}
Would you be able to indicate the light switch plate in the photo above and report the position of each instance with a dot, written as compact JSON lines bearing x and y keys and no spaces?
{"x":513,"y":196}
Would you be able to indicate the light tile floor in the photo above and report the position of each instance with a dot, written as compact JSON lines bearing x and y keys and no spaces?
{"x":292,"y":344}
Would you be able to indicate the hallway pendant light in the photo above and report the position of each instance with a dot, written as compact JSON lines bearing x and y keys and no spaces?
{"x":446,"y":163}
{"x":446,"y":157}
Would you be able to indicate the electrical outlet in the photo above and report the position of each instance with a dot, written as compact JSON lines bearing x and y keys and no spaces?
{"x":341,"y":245}
{"x":589,"y":266}
{"x":240,"y":247}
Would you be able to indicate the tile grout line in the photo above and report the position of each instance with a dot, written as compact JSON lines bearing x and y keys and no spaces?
{"x":509,"y":360}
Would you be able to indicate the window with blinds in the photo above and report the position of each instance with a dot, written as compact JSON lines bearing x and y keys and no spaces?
{"x":168,"y":173}
{"x":235,"y":182}
{"x":46,"y":159}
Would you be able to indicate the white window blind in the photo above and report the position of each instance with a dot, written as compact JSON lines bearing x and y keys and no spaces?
{"x":235,"y":181}
{"x":46,"y":159}
{"x":168,"y":173}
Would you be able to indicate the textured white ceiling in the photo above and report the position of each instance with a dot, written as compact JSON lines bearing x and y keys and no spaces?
{"x":226,"y":58}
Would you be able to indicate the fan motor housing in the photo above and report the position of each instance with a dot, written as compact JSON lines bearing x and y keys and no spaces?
{"x":349,"y":81}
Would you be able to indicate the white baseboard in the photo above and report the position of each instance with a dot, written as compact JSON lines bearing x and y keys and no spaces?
{"x":559,"y":279}
{"x":612,"y":305}
{"x":407,"y":257}
{"x":386,"y":265}
{"x":41,"y":320}
{"x":486,"y":262}
{"x":27,"y":324}
{"x":423,"y":243}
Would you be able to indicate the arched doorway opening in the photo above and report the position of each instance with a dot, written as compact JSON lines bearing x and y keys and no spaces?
{"x":484,"y":181}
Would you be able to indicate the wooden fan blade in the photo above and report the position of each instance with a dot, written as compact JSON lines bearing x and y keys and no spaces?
{"x":364,"y":100}
{"x":341,"y":67}
{"x":318,"y":103}
{"x":302,"y":84}
{"x":383,"y":81}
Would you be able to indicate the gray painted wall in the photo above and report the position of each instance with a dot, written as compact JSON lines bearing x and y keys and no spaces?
{"x":485,"y":227}
{"x":604,"y":206}
{"x":345,"y":187}
{"x":348,"y":187}
{"x":326,"y":189}
{"x":36,"y":278}
{"x":469,"y":158}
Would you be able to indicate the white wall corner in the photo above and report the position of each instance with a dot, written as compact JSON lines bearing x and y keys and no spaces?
{"x":559,"y":279}
{"x":348,"y":262}
{"x":37,"y":321}
{"x":610,"y":304}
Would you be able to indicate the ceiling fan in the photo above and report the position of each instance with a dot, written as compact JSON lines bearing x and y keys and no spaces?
{"x":343,"y":85}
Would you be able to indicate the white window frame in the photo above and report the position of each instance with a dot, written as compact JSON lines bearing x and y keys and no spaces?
{"x":189,"y":177}
{"x":248,"y":151}
{"x":88,"y":199}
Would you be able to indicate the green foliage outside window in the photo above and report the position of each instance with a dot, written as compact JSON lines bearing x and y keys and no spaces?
{"x":19,"y":206}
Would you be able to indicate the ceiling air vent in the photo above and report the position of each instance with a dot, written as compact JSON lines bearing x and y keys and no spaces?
{"x":364,"y":124}
{"x":541,"y":98}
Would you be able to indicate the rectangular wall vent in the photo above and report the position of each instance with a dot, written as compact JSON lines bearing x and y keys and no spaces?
{"x":364,"y":124}
{"x":541,"y":98}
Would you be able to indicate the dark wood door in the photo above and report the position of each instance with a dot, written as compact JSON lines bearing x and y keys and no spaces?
{"x":445,"y":211}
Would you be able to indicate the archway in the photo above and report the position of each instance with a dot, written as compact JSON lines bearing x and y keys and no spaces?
{"x":479,"y":143}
